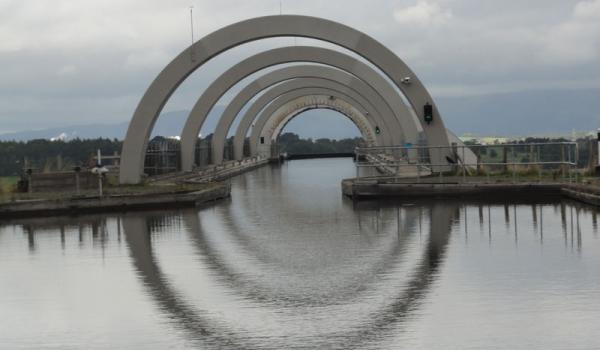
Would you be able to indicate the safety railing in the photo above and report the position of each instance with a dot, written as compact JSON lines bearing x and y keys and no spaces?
{"x":519,"y":160}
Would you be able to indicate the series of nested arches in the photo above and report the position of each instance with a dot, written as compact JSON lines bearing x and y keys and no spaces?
{"x":332,"y":79}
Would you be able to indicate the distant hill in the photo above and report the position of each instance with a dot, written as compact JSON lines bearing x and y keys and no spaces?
{"x":511,"y":114}
{"x":521,"y":114}
{"x":169,"y":124}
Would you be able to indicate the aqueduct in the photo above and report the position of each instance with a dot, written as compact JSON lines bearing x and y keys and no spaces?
{"x":389,"y":97}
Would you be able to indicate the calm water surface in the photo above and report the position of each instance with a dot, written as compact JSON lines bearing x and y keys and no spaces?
{"x":288,"y":262}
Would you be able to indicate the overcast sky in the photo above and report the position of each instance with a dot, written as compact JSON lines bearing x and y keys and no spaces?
{"x":66,"y":62}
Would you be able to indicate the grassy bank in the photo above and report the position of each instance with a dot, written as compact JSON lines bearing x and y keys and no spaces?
{"x":7,"y":184}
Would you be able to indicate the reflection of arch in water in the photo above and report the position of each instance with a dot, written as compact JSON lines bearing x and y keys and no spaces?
{"x":255,"y":291}
{"x":199,"y":326}
{"x":137,"y":236}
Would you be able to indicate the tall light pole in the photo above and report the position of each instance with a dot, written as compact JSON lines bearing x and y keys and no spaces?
{"x":192,"y":32}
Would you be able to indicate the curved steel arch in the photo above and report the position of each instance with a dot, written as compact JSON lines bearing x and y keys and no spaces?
{"x":390,"y":98}
{"x":189,"y":60}
{"x":271,"y":94}
{"x":393,"y":127}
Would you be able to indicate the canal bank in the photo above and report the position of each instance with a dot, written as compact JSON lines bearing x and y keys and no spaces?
{"x":115,"y":202}
{"x":183,"y":189}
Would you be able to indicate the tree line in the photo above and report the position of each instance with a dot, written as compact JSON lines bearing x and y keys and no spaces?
{"x":46,"y":155}
{"x":293,"y":144}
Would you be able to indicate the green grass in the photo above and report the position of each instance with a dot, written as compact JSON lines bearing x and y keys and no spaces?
{"x":8,"y":184}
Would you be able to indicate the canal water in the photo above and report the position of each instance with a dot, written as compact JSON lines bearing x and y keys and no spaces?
{"x":288,"y":263}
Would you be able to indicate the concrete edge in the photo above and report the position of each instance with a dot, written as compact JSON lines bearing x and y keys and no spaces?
{"x":119,"y":203}
{"x":494,"y":191}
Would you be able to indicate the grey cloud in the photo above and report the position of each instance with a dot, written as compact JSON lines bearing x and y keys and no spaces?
{"x":66,"y":61}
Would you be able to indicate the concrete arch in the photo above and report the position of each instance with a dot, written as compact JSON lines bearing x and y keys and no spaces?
{"x":298,"y":106}
{"x":393,"y":126}
{"x":280,"y":111}
{"x":332,"y":96}
{"x":189,"y":60}
{"x":283,"y":88}
{"x":331,"y":99}
{"x":253,"y":64}
{"x":276,"y":131}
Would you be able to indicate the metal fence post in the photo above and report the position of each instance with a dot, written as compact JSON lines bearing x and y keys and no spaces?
{"x":464,"y":170}
{"x":356,"y":151}
{"x":562,"y":161}
{"x":539,"y":163}
{"x":418,"y":167}
{"x":514,"y":162}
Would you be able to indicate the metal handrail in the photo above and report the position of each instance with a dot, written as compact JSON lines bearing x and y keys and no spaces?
{"x":568,"y":154}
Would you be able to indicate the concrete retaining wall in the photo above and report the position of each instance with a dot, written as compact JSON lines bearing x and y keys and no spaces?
{"x":374,"y":188}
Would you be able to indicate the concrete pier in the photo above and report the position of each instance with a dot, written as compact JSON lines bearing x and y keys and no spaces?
{"x":373,"y":188}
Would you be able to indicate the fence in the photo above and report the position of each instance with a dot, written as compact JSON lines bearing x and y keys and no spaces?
{"x":396,"y":162}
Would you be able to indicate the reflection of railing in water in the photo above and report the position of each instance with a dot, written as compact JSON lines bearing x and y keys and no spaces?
{"x":98,"y":230}
{"x":556,"y":158}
